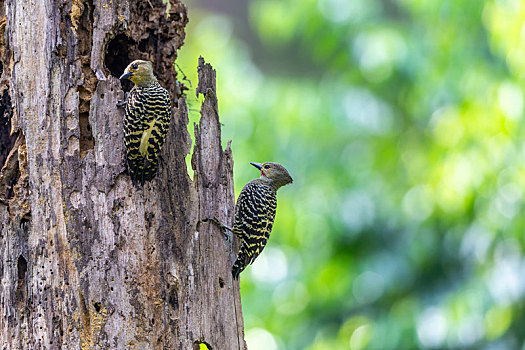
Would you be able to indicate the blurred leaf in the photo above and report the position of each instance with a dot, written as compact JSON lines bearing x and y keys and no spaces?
{"x":402,"y":125}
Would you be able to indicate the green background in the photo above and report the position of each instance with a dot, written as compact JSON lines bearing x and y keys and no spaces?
{"x":401,"y":122}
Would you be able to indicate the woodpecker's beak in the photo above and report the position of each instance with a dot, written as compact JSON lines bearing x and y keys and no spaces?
{"x":126,"y":75}
{"x":257,"y":165}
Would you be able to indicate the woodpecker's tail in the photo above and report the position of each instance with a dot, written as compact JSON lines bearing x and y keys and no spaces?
{"x":150,"y":169}
{"x":240,"y":264}
{"x":142,"y":170}
{"x":237,"y":268}
{"x":136,"y":170}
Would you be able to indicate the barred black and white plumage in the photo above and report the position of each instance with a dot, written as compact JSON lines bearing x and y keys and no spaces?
{"x":255,"y":212}
{"x":146,"y":121}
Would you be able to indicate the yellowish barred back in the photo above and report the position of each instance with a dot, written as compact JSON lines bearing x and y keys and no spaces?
{"x":146,"y":121}
{"x":255,"y":213}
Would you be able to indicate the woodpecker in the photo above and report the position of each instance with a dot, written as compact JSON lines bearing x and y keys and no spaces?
{"x":255,"y":212}
{"x":146,"y":121}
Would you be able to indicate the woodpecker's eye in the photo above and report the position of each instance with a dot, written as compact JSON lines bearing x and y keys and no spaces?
{"x":266,"y":166}
{"x":135,"y":66}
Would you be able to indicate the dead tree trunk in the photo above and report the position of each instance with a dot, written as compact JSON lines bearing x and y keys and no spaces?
{"x":88,"y":261}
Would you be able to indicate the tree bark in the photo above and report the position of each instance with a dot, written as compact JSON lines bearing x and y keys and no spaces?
{"x":88,"y":260}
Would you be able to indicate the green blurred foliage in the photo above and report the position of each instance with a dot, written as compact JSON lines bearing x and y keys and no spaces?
{"x":401,"y":122}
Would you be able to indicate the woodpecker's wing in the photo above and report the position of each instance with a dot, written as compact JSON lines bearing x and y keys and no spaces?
{"x":254,"y":216}
{"x":146,"y":124}
{"x":154,"y":136}
{"x":135,"y":122}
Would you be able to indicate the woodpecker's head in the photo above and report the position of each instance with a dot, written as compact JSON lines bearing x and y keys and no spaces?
{"x":139,"y":72}
{"x":274,"y":172}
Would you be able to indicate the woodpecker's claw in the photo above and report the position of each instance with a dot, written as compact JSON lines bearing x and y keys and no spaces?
{"x":122,"y":103}
{"x":223,"y":227}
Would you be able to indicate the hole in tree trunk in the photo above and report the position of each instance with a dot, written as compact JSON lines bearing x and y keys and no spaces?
{"x":25,"y":219}
{"x":155,"y":37}
{"x":142,"y":45}
{"x":7,"y":141}
{"x":173,"y":299}
{"x":21,"y":290}
{"x":97,"y":306}
{"x":21,"y":267}
{"x":86,"y":136}
{"x":8,"y":149}
{"x":118,"y":56}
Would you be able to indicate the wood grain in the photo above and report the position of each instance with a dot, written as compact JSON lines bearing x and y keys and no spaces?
{"x":88,"y":260}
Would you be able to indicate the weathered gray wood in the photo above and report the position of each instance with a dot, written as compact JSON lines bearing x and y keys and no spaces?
{"x":88,"y":260}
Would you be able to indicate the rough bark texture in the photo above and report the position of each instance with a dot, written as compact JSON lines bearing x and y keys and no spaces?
{"x":88,"y":260}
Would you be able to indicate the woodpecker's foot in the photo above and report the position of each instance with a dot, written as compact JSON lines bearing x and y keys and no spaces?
{"x":218,"y":223}
{"x":122,"y":103}
{"x":223,"y":227}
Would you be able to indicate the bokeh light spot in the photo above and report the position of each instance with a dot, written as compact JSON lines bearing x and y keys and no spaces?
{"x":336,"y":10}
{"x":366,"y":112}
{"x":219,"y":27}
{"x":358,"y":210}
{"x":447,"y":128}
{"x":510,"y":99}
{"x":471,"y":330}
{"x":260,"y":339}
{"x":361,"y":337}
{"x":368,"y":287}
{"x":271,"y":266}
{"x":378,"y":51}
{"x":291,"y":297}
{"x":506,"y":281}
{"x":497,"y":321}
{"x":432,"y":327}
{"x":476,"y":242}
{"x":418,"y":203}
